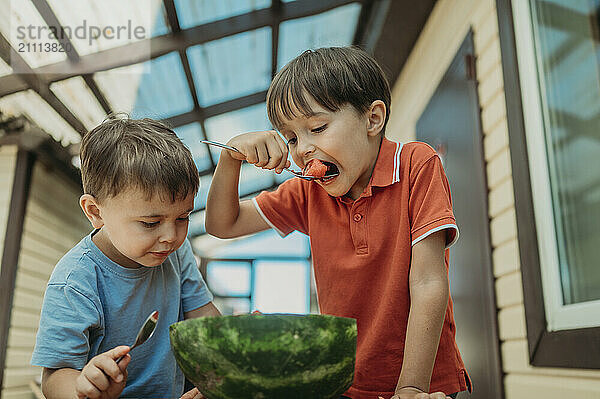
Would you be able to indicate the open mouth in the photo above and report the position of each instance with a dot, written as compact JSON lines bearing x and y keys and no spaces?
{"x":323,"y":170}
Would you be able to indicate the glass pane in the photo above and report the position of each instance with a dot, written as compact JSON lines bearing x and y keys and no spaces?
{"x":160,"y":22}
{"x":196,"y":226}
{"x":200,"y":200}
{"x":232,"y":67}
{"x":332,"y":28}
{"x":229,"y":278}
{"x":568,"y":53}
{"x":191,"y":135}
{"x":163,"y":89}
{"x":266,"y":243}
{"x":282,"y":287}
{"x":223,"y":127}
{"x":194,"y":12}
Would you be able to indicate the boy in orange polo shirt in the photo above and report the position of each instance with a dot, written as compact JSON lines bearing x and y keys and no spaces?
{"x":380,"y":220}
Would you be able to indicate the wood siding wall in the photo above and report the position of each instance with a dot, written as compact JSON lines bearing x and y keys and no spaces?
{"x":439,"y":41}
{"x":54,"y":223}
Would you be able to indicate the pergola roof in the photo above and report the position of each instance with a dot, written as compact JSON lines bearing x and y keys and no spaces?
{"x":204,"y":69}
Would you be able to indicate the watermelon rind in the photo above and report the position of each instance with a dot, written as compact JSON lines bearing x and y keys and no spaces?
{"x":270,"y":356}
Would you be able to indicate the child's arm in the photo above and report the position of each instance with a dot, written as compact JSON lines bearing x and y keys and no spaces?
{"x":207,"y":310}
{"x":428,"y":284}
{"x":101,"y":377}
{"x":226,"y":216}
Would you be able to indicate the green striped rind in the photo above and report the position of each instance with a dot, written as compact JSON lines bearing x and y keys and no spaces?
{"x":267,"y":356}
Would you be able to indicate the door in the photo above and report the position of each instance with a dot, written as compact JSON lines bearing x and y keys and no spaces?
{"x":451,"y":124}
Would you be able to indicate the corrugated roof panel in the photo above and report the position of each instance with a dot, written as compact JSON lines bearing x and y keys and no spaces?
{"x":332,"y":28}
{"x":96,"y":26}
{"x":25,"y":29}
{"x":78,"y":97}
{"x":163,"y":90}
{"x":120,"y":86}
{"x":191,"y":135}
{"x":5,"y":69}
{"x":232,"y":67}
{"x":194,"y":12}
{"x":31,"y":105}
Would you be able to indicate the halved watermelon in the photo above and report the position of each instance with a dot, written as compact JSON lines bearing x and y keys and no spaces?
{"x":270,"y":356}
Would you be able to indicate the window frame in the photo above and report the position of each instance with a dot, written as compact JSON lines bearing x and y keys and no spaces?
{"x":564,"y":347}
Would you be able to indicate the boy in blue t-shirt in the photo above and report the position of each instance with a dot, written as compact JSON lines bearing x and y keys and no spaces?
{"x":139,"y":184}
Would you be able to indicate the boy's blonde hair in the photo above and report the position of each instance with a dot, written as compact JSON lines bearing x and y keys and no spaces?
{"x":333,"y":76}
{"x":123,"y":153}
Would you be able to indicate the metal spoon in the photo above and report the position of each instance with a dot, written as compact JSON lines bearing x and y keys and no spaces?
{"x":293,"y":172}
{"x":145,"y":332}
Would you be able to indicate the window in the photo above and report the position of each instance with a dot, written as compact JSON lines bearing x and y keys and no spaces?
{"x":563,"y":142}
{"x":555,"y":143}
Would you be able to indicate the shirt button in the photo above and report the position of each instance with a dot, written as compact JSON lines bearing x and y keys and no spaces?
{"x":357,"y":217}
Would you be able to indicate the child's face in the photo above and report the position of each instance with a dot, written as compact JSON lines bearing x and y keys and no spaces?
{"x":344,"y":140}
{"x":136,"y":231}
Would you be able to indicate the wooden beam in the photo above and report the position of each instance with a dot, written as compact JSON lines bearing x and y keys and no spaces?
{"x":12,"y":247}
{"x":151,"y":48}
{"x":276,"y":8}
{"x":370,"y":24}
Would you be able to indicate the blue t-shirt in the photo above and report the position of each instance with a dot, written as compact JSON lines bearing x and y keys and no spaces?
{"x":92,"y":304}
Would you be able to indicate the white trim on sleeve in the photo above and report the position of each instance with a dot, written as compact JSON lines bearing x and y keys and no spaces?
{"x":443,"y":227}
{"x":266,"y":218}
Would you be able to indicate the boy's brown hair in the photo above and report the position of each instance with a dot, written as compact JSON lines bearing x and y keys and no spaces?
{"x":123,"y":153}
{"x":333,"y":76}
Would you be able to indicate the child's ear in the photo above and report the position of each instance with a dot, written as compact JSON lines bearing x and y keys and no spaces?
{"x":376,"y":117}
{"x":89,"y":204}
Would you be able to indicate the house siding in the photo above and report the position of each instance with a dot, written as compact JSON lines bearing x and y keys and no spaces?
{"x":53,"y":224}
{"x":448,"y":24}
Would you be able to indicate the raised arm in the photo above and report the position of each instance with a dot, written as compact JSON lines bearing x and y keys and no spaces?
{"x":226,"y":216}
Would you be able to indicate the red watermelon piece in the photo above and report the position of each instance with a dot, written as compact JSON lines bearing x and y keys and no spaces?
{"x":315,"y":168}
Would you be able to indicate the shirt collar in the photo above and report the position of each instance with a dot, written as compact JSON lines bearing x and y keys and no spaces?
{"x":387,"y":166}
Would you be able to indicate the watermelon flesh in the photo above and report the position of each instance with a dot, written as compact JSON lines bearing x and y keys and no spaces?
{"x":315,"y":168}
{"x":267,"y":356}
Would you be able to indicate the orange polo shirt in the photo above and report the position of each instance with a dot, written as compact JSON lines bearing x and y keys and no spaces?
{"x":362,"y":254}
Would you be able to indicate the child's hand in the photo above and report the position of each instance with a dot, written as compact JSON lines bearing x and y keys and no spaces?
{"x":263,"y":149}
{"x":102,"y":377}
{"x":193,"y":394}
{"x":414,"y":393}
